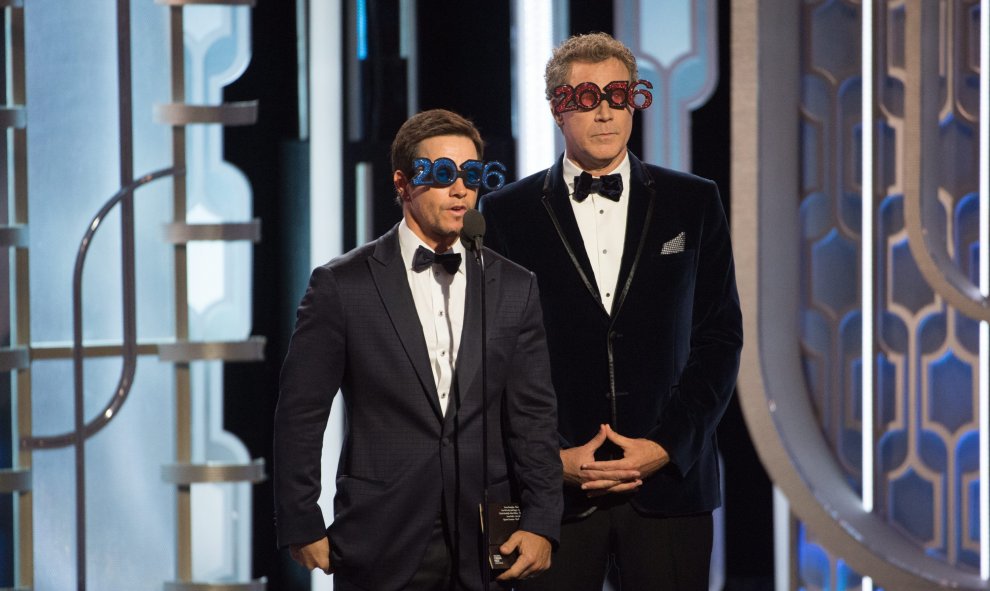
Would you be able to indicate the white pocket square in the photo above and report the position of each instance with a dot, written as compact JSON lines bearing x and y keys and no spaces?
{"x":674,"y":245}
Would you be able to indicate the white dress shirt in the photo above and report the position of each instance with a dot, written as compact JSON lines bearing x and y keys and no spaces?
{"x":603,"y":228}
{"x":439,"y":298}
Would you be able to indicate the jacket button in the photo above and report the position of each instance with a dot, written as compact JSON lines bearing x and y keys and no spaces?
{"x":445,"y":441}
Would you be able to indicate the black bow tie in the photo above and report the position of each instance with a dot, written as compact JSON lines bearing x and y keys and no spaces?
{"x":424,"y":258}
{"x":608,"y":186}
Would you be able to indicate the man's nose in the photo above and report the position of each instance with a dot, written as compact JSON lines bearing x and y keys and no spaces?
{"x":458,"y":189}
{"x":603,"y":112}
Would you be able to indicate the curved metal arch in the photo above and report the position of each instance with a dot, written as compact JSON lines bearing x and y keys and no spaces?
{"x":130,"y":338}
{"x":927,"y":243}
{"x":773,"y":393}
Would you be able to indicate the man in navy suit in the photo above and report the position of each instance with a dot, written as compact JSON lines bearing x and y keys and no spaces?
{"x":644,"y":329}
{"x":395,"y":325}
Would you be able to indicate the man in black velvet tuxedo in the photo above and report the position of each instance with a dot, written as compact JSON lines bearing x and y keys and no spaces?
{"x":384,"y":324}
{"x":644,"y":329}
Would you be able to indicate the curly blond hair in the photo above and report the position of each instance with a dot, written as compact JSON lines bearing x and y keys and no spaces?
{"x":592,"y":48}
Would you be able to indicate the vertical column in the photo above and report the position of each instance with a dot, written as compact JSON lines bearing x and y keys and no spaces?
{"x":984,"y":394}
{"x":183,"y":413}
{"x":867,"y":252}
{"x":184,"y":474}
{"x":21,"y":304}
{"x":533,"y":128}
{"x":326,"y":154}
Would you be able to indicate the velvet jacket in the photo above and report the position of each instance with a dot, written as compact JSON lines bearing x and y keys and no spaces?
{"x":668,"y":354}
{"x":402,"y":460}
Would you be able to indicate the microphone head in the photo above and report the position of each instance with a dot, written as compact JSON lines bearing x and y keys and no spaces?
{"x":474,"y":228}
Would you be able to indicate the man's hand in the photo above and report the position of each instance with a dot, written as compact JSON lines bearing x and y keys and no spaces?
{"x":580,"y":469}
{"x":534,"y":555}
{"x":642,"y":456}
{"x":313,"y":555}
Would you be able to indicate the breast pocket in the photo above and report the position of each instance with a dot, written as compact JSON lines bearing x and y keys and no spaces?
{"x":667,"y":280}
{"x":678,"y":258}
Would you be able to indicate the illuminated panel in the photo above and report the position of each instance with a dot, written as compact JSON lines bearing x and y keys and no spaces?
{"x":985,"y":289}
{"x":534,"y":127}
{"x":325,"y":199}
{"x":866,"y":252}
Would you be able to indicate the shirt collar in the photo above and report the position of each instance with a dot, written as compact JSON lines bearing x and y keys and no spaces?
{"x":571,"y":170}
{"x":409,"y":242}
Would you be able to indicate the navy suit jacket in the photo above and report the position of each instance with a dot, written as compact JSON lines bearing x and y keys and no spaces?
{"x":669,"y":350}
{"x":357,"y":331}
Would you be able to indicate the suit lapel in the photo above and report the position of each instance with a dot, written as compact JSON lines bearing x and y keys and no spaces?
{"x":642,"y":197}
{"x":389,"y":274}
{"x":468,"y":371}
{"x":558,"y":205}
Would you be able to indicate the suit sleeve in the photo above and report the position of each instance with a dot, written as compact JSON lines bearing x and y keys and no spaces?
{"x":311,"y":375}
{"x":531,"y":412}
{"x":493,"y":237}
{"x":709,"y":376}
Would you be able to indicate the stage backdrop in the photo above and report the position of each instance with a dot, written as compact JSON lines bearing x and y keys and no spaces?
{"x":857,"y":220}
{"x":131,"y":283}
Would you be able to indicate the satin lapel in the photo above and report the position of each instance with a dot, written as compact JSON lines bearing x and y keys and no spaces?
{"x":558,"y":205}
{"x":642,"y":197}
{"x":469,"y":352}
{"x":389,"y":275}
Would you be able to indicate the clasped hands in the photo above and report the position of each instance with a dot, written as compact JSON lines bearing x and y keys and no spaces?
{"x":640,"y":459}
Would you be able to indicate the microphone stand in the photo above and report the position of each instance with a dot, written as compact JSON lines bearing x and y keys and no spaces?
{"x":486,"y":568}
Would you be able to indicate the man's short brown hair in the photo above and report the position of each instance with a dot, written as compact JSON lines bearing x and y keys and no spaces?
{"x":591,"y":48}
{"x":423,"y":126}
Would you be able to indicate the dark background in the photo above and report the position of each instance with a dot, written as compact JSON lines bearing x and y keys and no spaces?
{"x":464,"y":50}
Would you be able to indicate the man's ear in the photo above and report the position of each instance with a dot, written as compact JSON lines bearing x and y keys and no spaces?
{"x":401,"y":184}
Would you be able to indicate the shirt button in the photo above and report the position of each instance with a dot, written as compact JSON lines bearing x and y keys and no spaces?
{"x":441,"y":312}
{"x":604,"y":251}
{"x":443,"y":395}
{"x":443,"y":353}
{"x":608,"y":295}
{"x":601,"y":211}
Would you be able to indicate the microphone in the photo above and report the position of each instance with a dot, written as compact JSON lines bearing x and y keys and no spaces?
{"x":473,"y":231}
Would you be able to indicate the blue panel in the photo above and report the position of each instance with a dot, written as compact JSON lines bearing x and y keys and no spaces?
{"x":891,"y":218}
{"x":886,"y":151}
{"x":816,"y":215}
{"x":967,"y":481}
{"x":958,"y":171}
{"x":893,"y":332}
{"x":911,"y":505}
{"x":908,"y":287}
{"x":966,"y":220}
{"x":886,"y":390}
{"x":933,"y":450}
{"x":814,"y":566}
{"x":850,"y":444}
{"x":816,"y":103}
{"x":971,"y":529}
{"x":892,"y":449}
{"x":835,"y":43}
{"x":950,"y":383}
{"x":817,"y":339}
{"x":835,"y":265}
{"x":845,"y":577}
{"x":932,"y":332}
{"x":811,"y":140}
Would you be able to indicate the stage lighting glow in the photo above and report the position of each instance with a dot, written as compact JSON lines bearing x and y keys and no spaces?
{"x":533,"y":126}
